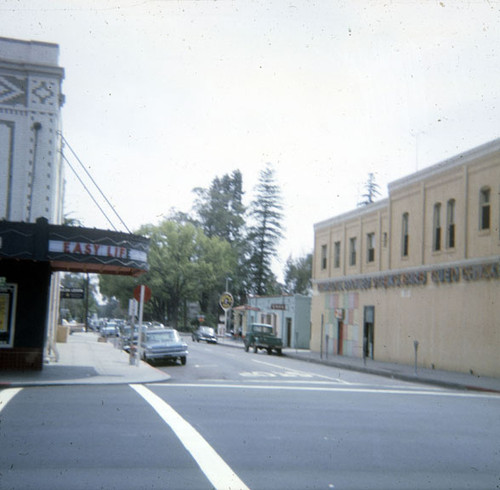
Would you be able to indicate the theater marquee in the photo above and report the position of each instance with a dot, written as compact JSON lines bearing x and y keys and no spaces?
{"x":75,"y":249}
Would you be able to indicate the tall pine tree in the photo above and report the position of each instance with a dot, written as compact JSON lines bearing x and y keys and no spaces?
{"x":264,"y":233}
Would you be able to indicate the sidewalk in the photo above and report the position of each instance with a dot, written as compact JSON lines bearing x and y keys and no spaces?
{"x":445,"y":379}
{"x":83,"y":360}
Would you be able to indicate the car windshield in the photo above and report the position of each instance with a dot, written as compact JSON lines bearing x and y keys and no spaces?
{"x":160,"y":337}
{"x":263,"y":329}
{"x":207,"y":330}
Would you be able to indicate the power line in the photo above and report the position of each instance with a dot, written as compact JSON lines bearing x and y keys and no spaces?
{"x":65,"y":141}
{"x":88,"y":191}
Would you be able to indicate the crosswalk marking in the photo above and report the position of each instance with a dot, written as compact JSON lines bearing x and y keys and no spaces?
{"x":300,"y":373}
{"x":7,"y":395}
{"x":215,"y":468}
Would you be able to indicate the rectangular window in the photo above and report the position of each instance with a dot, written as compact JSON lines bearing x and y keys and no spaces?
{"x":352,"y":251}
{"x":436,"y":245}
{"x":450,"y":224}
{"x":370,"y":247}
{"x":323,"y":257}
{"x":336,"y":255}
{"x":484,"y":211}
{"x":405,"y":237}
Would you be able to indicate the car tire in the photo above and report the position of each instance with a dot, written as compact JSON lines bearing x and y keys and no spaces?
{"x":183,"y":360}
{"x":279,"y":352}
{"x":269,"y":351}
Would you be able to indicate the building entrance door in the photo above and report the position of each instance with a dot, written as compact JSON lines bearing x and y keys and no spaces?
{"x":340,"y":338}
{"x":369,"y":332}
{"x":288,"y":332}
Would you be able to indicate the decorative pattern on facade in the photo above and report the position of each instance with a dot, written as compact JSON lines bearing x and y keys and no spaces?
{"x":12,"y":90}
{"x":43,"y":92}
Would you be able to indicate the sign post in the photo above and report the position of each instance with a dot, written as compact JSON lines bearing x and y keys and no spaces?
{"x":141,"y":293}
{"x":226,"y":302}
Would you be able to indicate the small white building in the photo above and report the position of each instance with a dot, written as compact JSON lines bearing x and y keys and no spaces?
{"x":289,"y":315}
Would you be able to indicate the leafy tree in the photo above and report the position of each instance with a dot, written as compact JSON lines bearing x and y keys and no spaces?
{"x":74,"y":309}
{"x":372,"y":191}
{"x":183,"y":264}
{"x":265,"y":232}
{"x":298,"y":275}
{"x":69,"y":221}
{"x":221,"y":213}
{"x":116,"y":290}
{"x":220,"y":207}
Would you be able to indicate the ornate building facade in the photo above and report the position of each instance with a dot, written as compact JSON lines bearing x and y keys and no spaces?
{"x":31,"y":180}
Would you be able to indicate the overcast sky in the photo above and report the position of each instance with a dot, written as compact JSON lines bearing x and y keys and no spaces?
{"x":163,"y":96}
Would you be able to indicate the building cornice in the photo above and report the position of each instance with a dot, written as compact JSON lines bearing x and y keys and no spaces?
{"x":465,"y":158}
{"x":354,"y":214}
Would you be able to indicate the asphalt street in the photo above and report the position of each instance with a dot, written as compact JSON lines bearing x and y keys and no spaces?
{"x":230,"y":419}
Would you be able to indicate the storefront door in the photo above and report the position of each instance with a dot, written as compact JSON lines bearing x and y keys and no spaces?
{"x":369,"y":332}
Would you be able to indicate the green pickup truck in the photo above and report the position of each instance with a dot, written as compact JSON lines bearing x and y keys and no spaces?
{"x":261,"y":336}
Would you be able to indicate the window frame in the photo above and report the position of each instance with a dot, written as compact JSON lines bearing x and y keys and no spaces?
{"x":450,"y":223}
{"x":436,"y":228}
{"x":370,"y":247}
{"x":336,"y":255}
{"x":405,"y":234}
{"x":485,"y":209}
{"x":324,"y":257}
{"x":352,"y":251}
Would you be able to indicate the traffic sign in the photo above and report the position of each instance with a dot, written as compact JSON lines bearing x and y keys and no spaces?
{"x":147,"y":293}
{"x":226,"y":301}
{"x":72,"y":293}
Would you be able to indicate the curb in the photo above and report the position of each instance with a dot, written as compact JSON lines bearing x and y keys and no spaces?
{"x":383,"y":372}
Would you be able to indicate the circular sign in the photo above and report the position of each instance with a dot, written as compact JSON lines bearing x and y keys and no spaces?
{"x":226,"y":301}
{"x":147,"y":293}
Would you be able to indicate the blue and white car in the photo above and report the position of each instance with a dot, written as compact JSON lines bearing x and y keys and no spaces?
{"x":163,"y":345}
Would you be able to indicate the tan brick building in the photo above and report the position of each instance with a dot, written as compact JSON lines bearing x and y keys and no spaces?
{"x":421,"y":266}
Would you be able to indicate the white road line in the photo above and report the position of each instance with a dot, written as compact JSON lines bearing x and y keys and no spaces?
{"x":338,"y":380}
{"x":215,"y":468}
{"x":7,"y":395}
{"x":375,"y":391}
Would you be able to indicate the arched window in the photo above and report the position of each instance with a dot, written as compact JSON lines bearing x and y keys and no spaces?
{"x":450,"y":224}
{"x":484,"y":208}
{"x":405,"y":237}
{"x":352,"y":251}
{"x":436,"y":242}
{"x":323,"y":257}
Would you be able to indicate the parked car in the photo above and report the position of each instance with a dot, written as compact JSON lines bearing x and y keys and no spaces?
{"x":261,"y":336}
{"x":163,"y":345}
{"x":111,"y":329}
{"x":204,"y":333}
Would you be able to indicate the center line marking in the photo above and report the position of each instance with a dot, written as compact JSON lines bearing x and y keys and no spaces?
{"x":215,"y":468}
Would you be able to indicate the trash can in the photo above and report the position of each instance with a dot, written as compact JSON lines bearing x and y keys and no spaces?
{"x":62,"y":333}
